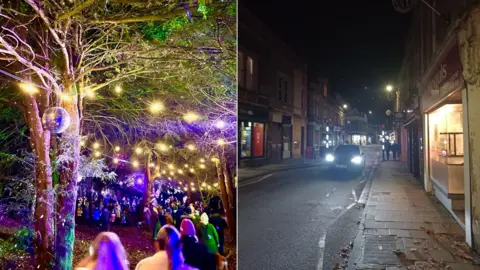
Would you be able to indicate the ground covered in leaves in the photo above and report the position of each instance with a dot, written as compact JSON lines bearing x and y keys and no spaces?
{"x":138,"y":245}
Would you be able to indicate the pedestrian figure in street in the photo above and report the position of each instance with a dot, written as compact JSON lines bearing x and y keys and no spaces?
{"x":105,"y":219}
{"x":195,"y":253}
{"x":386,"y":150}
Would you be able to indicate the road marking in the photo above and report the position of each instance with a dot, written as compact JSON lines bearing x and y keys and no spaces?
{"x":321,"y":245}
{"x":354,"y":195}
{"x":361,"y":182}
{"x":351,"y":205}
{"x":256,"y":181}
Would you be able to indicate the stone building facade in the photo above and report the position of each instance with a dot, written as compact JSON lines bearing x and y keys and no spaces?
{"x":440,"y":91}
{"x":272,"y":98}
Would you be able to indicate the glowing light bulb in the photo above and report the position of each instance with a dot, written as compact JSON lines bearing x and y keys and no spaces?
{"x":96,"y":145}
{"x":191,"y":147}
{"x":191,"y":117}
{"x":202,"y":166}
{"x":192,"y":170}
{"x":185,"y":188}
{"x":28,"y":88}
{"x":215,"y":184}
{"x":186,"y":165}
{"x":220,"y":124}
{"x":193,"y":189}
{"x":204,"y":184}
{"x":156,"y":107}
{"x":151,"y":165}
{"x":90,"y":93}
{"x":65,"y":97}
{"x":172,"y":173}
{"x":115,"y":160}
{"x":157,"y":167}
{"x":118,"y":89}
{"x":202,"y":160}
{"x":163,"y":171}
{"x":180,"y":171}
{"x":170,"y":166}
{"x":98,"y":154}
{"x":191,"y":183}
{"x":162,"y":147}
{"x":135,"y":164}
{"x":221,"y":142}
{"x":82,"y":143}
{"x":117,"y":148}
{"x":138,"y":150}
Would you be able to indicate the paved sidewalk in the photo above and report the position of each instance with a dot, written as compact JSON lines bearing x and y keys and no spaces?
{"x":406,"y":228}
{"x":249,"y":173}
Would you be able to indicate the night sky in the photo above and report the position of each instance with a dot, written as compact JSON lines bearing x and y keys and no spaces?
{"x":357,"y":45}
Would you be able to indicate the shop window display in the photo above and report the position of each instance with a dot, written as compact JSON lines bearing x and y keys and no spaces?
{"x":252,"y":139}
{"x":446,"y":147}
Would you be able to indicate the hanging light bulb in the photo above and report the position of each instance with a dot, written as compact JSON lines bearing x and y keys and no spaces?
{"x":117,"y":148}
{"x":118,"y":89}
{"x":138,"y":150}
{"x":220,"y":124}
{"x":115,"y":160}
{"x":202,"y":160}
{"x":191,"y":147}
{"x":96,"y":145}
{"x":202,"y":166}
{"x":221,"y":142}
{"x":135,"y":164}
{"x":97,"y":154}
{"x":192,"y":170}
{"x":180,"y":171}
{"x":162,"y":147}
{"x":215,"y":184}
{"x":156,"y":107}
{"x":28,"y":88}
{"x":151,"y":165}
{"x":191,"y":117}
{"x":170,"y":166}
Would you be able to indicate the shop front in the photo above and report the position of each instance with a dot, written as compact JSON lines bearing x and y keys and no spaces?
{"x":252,"y":129}
{"x":443,"y":104}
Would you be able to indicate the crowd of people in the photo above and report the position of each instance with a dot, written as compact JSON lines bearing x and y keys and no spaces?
{"x":185,"y":234}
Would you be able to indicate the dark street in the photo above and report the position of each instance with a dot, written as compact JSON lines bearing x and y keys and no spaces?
{"x":299,"y":219}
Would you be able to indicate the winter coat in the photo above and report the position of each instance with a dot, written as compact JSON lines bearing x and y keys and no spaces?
{"x":210,"y":238}
{"x":196,"y":254}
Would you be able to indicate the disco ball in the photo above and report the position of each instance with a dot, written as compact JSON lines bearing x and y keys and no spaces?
{"x":56,"y":119}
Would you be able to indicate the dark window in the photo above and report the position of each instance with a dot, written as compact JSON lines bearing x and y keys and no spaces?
{"x":280,"y":83}
{"x":285,"y":97}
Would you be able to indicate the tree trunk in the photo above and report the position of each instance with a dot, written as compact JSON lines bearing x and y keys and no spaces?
{"x":228,"y":210}
{"x":43,"y":223}
{"x":67,"y":194}
{"x":148,"y":186}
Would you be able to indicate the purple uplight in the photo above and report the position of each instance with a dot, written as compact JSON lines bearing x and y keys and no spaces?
{"x":139,"y":181}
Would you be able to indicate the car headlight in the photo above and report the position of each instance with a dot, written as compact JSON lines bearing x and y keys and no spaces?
{"x":330,"y":158}
{"x":357,"y":160}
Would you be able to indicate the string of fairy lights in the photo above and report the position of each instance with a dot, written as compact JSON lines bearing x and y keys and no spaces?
{"x":155,"y":107}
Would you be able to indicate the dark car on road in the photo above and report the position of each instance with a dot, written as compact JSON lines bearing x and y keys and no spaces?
{"x":346,"y":157}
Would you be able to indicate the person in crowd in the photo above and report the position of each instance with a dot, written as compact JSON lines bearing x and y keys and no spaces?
{"x":209,"y":235}
{"x":96,"y":216}
{"x":118,"y":212}
{"x":196,"y":254}
{"x":86,"y":213}
{"x":105,"y":220}
{"x":168,"y":254}
{"x":106,"y":253}
{"x":161,"y":216}
{"x":386,"y":150}
{"x":168,"y":218}
{"x":220,"y":225}
{"x":178,"y":216}
{"x":154,"y":222}
{"x":147,"y":214}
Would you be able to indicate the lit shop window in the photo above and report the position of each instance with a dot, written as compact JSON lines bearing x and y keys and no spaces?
{"x":252,"y":139}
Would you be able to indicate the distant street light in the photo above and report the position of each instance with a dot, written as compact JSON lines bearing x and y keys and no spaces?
{"x":370,"y":112}
{"x":345,"y":106}
{"x":389,"y":88}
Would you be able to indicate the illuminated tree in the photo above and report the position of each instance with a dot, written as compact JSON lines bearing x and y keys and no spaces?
{"x":77,"y":55}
